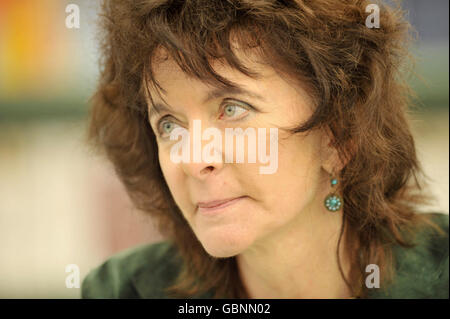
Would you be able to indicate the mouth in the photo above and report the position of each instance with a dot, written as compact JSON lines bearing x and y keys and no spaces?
{"x":215,"y":206}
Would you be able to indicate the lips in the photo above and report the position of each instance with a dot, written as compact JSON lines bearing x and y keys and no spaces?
{"x":217,"y":203}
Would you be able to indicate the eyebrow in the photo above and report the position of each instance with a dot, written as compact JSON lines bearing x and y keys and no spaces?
{"x":158,"y":108}
{"x":222,"y":91}
{"x":215,"y":93}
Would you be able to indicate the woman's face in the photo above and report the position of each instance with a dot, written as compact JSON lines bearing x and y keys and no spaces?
{"x":232,"y":206}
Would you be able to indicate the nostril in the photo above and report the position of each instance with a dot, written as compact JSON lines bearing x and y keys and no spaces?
{"x":208,"y":169}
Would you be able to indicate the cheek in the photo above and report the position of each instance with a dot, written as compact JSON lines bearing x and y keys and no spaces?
{"x":296,"y":182}
{"x":172,"y":175}
{"x":165,"y":164}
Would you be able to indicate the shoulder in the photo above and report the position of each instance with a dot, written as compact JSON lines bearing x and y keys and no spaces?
{"x":139,"y":272}
{"x":421,"y":271}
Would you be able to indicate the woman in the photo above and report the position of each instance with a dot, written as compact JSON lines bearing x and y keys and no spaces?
{"x":335,"y":213}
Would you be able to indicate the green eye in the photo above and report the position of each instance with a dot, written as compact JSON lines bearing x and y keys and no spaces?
{"x":165,"y":127}
{"x":230,"y":110}
{"x":233,"y":111}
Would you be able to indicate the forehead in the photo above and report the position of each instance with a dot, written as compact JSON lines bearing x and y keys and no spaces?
{"x":167,"y":72}
{"x":268,"y":82}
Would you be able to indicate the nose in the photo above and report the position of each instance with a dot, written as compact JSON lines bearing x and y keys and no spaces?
{"x":206,"y":155}
{"x":203,"y":169}
{"x":205,"y":147}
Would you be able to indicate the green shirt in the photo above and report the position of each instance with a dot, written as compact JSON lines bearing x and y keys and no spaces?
{"x":144,"y":271}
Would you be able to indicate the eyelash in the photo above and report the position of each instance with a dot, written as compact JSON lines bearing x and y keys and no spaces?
{"x":246,"y":106}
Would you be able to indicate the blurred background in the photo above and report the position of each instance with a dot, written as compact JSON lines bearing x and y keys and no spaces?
{"x":60,"y":203}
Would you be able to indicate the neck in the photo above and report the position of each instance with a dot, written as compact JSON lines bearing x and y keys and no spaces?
{"x":300,"y":261}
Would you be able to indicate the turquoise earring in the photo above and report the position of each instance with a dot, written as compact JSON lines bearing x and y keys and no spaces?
{"x":333,"y":201}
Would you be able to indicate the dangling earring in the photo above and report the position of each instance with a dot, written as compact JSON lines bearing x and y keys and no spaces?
{"x":333,"y":201}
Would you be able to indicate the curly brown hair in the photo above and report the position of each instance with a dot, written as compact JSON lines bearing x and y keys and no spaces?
{"x":354,"y":73}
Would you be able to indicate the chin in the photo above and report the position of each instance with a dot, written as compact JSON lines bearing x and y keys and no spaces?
{"x":224,"y":247}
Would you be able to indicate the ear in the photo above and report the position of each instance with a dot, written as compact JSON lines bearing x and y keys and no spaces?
{"x":331,"y":160}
